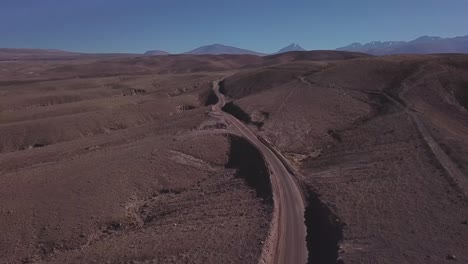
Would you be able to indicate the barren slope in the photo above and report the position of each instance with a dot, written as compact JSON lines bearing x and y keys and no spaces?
{"x":364,"y":157}
{"x":124,"y":169}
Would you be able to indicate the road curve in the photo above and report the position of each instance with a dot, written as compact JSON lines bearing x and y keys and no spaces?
{"x":290,"y":247}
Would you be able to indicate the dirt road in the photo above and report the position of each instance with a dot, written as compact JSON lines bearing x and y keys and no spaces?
{"x":290,"y":245}
{"x":452,"y":170}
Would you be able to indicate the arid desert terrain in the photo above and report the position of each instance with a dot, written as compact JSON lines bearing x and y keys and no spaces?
{"x":300,"y":157}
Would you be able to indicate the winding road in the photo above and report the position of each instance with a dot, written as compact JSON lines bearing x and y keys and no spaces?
{"x":289,"y":244}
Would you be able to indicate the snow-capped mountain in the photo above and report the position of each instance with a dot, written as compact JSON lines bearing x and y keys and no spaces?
{"x":421,"y":45}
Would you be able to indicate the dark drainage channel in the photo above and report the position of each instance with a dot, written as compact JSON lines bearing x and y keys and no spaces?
{"x":208,"y":97}
{"x":251,"y":166}
{"x":324,"y":232}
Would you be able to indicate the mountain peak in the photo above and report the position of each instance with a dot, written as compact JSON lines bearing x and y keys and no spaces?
{"x":292,"y":47}
{"x":218,"y":49}
{"x":156,"y":53}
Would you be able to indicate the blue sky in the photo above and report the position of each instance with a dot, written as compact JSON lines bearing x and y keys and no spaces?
{"x":260,"y":25}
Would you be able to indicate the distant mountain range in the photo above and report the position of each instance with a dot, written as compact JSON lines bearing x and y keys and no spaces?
{"x":218,"y":49}
{"x":422,"y":45}
{"x":12,"y":54}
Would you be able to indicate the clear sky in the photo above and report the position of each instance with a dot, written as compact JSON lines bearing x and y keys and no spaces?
{"x":260,"y":25}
